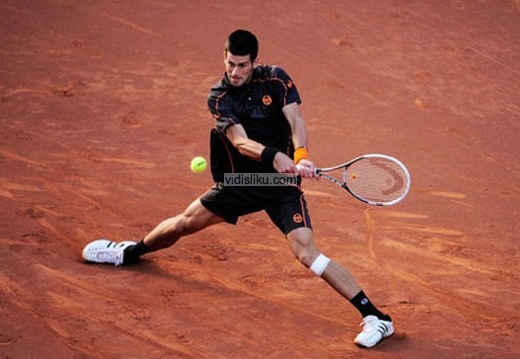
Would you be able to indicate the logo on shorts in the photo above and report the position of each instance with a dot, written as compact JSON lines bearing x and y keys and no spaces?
{"x":289,"y":84}
{"x":267,"y":100}
{"x":297,"y":218}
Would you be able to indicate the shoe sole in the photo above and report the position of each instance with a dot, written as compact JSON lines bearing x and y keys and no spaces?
{"x":386,"y":334}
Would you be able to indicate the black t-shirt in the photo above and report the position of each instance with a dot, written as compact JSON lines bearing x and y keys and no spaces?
{"x":258,"y":107}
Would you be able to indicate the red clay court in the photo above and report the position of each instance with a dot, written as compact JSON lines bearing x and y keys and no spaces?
{"x":103,"y":105}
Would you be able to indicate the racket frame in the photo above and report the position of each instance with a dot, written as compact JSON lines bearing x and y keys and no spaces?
{"x":343,"y":184}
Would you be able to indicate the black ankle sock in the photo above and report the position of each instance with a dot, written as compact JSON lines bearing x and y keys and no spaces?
{"x":132,"y":253}
{"x":365,"y":306}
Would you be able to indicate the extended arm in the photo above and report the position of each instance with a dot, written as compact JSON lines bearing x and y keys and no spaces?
{"x":295,"y":118}
{"x":299,"y":136}
{"x":252,"y":149}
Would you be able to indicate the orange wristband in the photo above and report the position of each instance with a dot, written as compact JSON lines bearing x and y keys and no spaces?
{"x":300,"y":153}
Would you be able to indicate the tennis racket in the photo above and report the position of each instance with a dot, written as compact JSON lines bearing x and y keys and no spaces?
{"x":375,"y":179}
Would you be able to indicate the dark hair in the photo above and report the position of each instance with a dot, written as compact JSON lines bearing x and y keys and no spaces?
{"x":241,"y":43}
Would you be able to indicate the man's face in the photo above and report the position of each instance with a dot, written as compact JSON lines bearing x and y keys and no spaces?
{"x":238,"y":68}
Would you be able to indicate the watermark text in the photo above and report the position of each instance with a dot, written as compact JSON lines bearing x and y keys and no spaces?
{"x":260,"y":179}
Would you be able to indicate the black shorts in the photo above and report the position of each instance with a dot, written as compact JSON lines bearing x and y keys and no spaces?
{"x":285,"y":205}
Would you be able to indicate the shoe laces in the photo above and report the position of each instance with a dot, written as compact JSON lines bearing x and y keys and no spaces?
{"x":370,"y":323}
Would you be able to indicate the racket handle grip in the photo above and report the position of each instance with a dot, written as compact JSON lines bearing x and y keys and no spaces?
{"x":316,"y":170}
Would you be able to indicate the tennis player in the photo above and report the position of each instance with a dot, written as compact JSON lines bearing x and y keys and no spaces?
{"x":259,"y":129}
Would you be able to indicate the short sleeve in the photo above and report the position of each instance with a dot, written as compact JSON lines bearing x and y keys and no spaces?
{"x":221,"y":109}
{"x":291,"y":94}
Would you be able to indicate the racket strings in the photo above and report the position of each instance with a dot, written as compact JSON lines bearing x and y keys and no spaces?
{"x":376,"y":179}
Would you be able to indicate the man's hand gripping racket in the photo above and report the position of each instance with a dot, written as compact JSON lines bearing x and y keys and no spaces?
{"x":375,"y":179}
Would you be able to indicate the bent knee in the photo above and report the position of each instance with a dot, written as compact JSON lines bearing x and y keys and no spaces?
{"x":303,"y":247}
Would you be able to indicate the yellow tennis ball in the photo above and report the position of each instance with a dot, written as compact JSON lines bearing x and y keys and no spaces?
{"x":198,"y":164}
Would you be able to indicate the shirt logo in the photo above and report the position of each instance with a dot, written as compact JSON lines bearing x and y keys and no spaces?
{"x":289,"y":84}
{"x":267,"y":100}
{"x":297,"y":218}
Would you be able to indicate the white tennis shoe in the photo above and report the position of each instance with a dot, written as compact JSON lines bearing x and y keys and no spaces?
{"x":374,"y":330}
{"x":105,"y":251}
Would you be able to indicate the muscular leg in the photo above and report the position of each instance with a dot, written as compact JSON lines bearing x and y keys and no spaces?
{"x":169,"y":231}
{"x":338,"y":277}
{"x":193,"y":219}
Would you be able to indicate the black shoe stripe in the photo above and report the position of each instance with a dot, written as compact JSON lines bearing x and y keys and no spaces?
{"x":383,"y":328}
